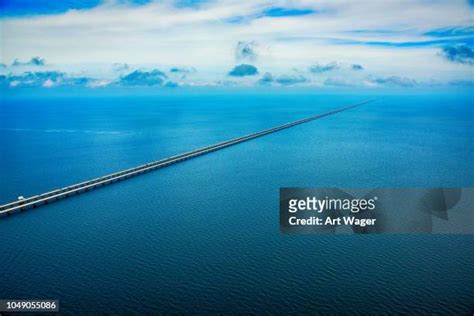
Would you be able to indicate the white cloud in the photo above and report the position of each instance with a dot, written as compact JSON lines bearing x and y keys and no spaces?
{"x":160,"y":35}
{"x":48,"y":83}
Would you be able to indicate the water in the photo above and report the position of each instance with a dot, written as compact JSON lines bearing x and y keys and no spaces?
{"x":202,"y":236}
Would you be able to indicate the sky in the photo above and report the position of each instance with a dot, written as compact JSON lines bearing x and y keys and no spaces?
{"x":270,"y":43}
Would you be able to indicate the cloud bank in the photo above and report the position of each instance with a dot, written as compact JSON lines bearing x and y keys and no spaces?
{"x":246,"y":51}
{"x":317,"y":69}
{"x":243,"y":70}
{"x":34,"y":61}
{"x":45,"y":79}
{"x":143,"y":78}
{"x":285,"y":80}
{"x":395,"y":81}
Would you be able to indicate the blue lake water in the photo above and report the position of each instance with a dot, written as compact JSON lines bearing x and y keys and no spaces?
{"x":203,"y":236}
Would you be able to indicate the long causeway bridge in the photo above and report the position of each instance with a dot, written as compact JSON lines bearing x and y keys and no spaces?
{"x":62,"y":193}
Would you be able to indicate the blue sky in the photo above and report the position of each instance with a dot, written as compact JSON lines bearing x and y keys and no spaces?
{"x":99,"y":43}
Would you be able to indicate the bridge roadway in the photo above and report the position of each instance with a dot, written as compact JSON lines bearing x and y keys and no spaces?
{"x":48,"y":197}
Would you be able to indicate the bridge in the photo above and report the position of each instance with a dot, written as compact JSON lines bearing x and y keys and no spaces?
{"x":62,"y":193}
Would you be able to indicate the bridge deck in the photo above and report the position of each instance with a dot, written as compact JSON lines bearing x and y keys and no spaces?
{"x":48,"y":197}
